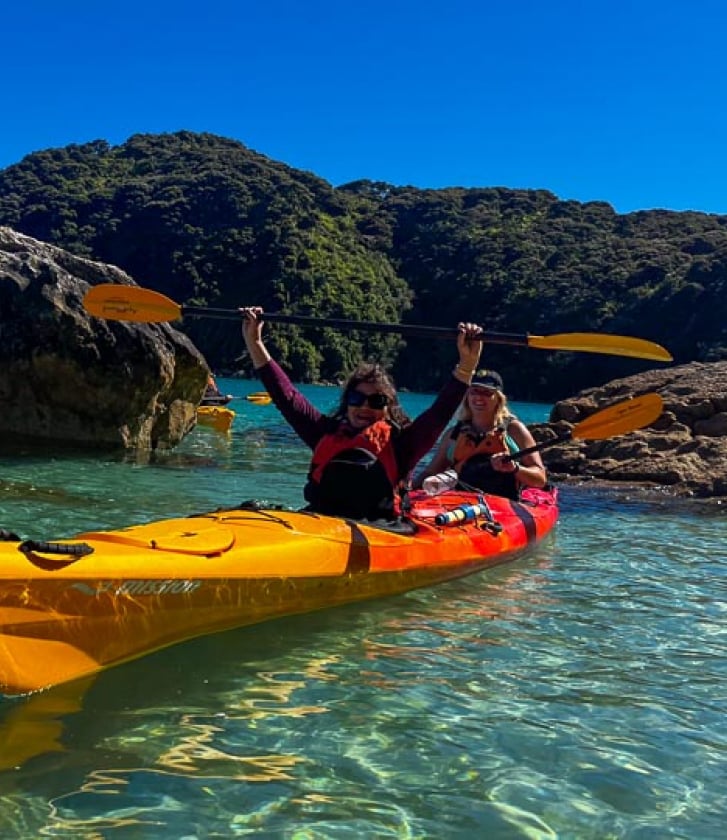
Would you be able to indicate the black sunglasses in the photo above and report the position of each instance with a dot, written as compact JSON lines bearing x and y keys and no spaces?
{"x":358,"y":398}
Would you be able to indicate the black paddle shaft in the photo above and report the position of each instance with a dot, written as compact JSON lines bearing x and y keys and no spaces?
{"x":563,"y":437}
{"x":410,"y":330}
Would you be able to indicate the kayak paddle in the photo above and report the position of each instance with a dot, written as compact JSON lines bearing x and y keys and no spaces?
{"x":133,"y":303}
{"x":618,"y":419}
{"x":259,"y":398}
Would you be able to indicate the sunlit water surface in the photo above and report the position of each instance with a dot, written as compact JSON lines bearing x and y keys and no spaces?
{"x":578,"y":693}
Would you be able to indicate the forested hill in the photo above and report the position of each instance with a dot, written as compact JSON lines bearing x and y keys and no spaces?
{"x":207,"y":221}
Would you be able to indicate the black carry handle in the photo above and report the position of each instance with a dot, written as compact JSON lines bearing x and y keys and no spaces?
{"x":75,"y":549}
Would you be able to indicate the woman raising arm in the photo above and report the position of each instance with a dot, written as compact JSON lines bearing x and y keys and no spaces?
{"x":364,"y":452}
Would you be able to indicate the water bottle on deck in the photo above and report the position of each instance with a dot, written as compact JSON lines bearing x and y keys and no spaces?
{"x":434,"y":484}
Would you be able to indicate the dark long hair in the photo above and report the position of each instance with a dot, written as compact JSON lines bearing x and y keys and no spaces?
{"x":373,"y":374}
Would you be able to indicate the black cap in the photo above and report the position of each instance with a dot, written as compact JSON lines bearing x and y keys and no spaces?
{"x":487,"y":379}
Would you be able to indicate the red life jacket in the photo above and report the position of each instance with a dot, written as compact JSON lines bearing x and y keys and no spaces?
{"x":376,"y":440}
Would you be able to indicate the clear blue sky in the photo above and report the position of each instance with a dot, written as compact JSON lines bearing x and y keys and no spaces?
{"x":607,"y":100}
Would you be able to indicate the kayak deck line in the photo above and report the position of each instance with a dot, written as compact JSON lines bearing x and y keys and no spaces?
{"x":149,"y":586}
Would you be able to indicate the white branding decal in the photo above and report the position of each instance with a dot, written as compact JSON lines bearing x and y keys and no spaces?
{"x":139,"y":587}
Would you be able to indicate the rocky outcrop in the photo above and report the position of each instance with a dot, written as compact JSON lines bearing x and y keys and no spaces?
{"x":66,"y":376}
{"x":684,"y":450}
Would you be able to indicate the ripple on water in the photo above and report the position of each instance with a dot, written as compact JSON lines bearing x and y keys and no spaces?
{"x":578,"y":693}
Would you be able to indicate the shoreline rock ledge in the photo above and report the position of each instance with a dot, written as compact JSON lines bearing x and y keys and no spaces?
{"x":70,"y":378}
{"x":683,"y":453}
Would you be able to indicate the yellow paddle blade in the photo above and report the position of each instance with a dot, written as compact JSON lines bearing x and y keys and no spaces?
{"x":618,"y":419}
{"x":613,"y":345}
{"x":259,"y":399}
{"x":130,"y":303}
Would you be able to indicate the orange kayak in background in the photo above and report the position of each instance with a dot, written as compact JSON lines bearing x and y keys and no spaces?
{"x":73,"y":607}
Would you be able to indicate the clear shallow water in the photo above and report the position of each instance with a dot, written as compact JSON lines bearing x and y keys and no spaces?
{"x":579,"y":693}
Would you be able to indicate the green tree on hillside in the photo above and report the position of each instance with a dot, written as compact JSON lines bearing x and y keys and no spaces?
{"x":209,"y":222}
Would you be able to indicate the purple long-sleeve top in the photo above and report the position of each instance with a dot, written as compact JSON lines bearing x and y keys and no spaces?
{"x":411,"y":445}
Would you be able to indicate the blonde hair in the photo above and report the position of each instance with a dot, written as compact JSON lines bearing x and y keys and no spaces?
{"x":502,"y":413}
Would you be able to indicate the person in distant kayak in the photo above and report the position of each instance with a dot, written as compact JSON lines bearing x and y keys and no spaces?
{"x":478,"y":445}
{"x":212,"y":394}
{"x":363,"y":453}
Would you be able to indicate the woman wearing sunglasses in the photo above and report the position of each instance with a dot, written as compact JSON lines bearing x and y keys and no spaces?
{"x":363,"y":453}
{"x":478,"y":445}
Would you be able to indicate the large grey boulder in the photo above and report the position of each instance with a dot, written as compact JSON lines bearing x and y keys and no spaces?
{"x":67,"y":376}
{"x":684,"y":451}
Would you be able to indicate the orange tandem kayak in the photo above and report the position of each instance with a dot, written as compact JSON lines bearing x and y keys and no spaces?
{"x":72,"y":607}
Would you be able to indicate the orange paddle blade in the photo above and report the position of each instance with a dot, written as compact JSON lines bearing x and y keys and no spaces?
{"x":130,"y":303}
{"x":615,"y":345}
{"x":621,"y":418}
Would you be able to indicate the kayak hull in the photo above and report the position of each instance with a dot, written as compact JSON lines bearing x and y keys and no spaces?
{"x":150,"y":586}
{"x":215,"y":416}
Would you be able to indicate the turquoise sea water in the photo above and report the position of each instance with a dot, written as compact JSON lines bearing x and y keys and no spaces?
{"x":578,"y":693}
